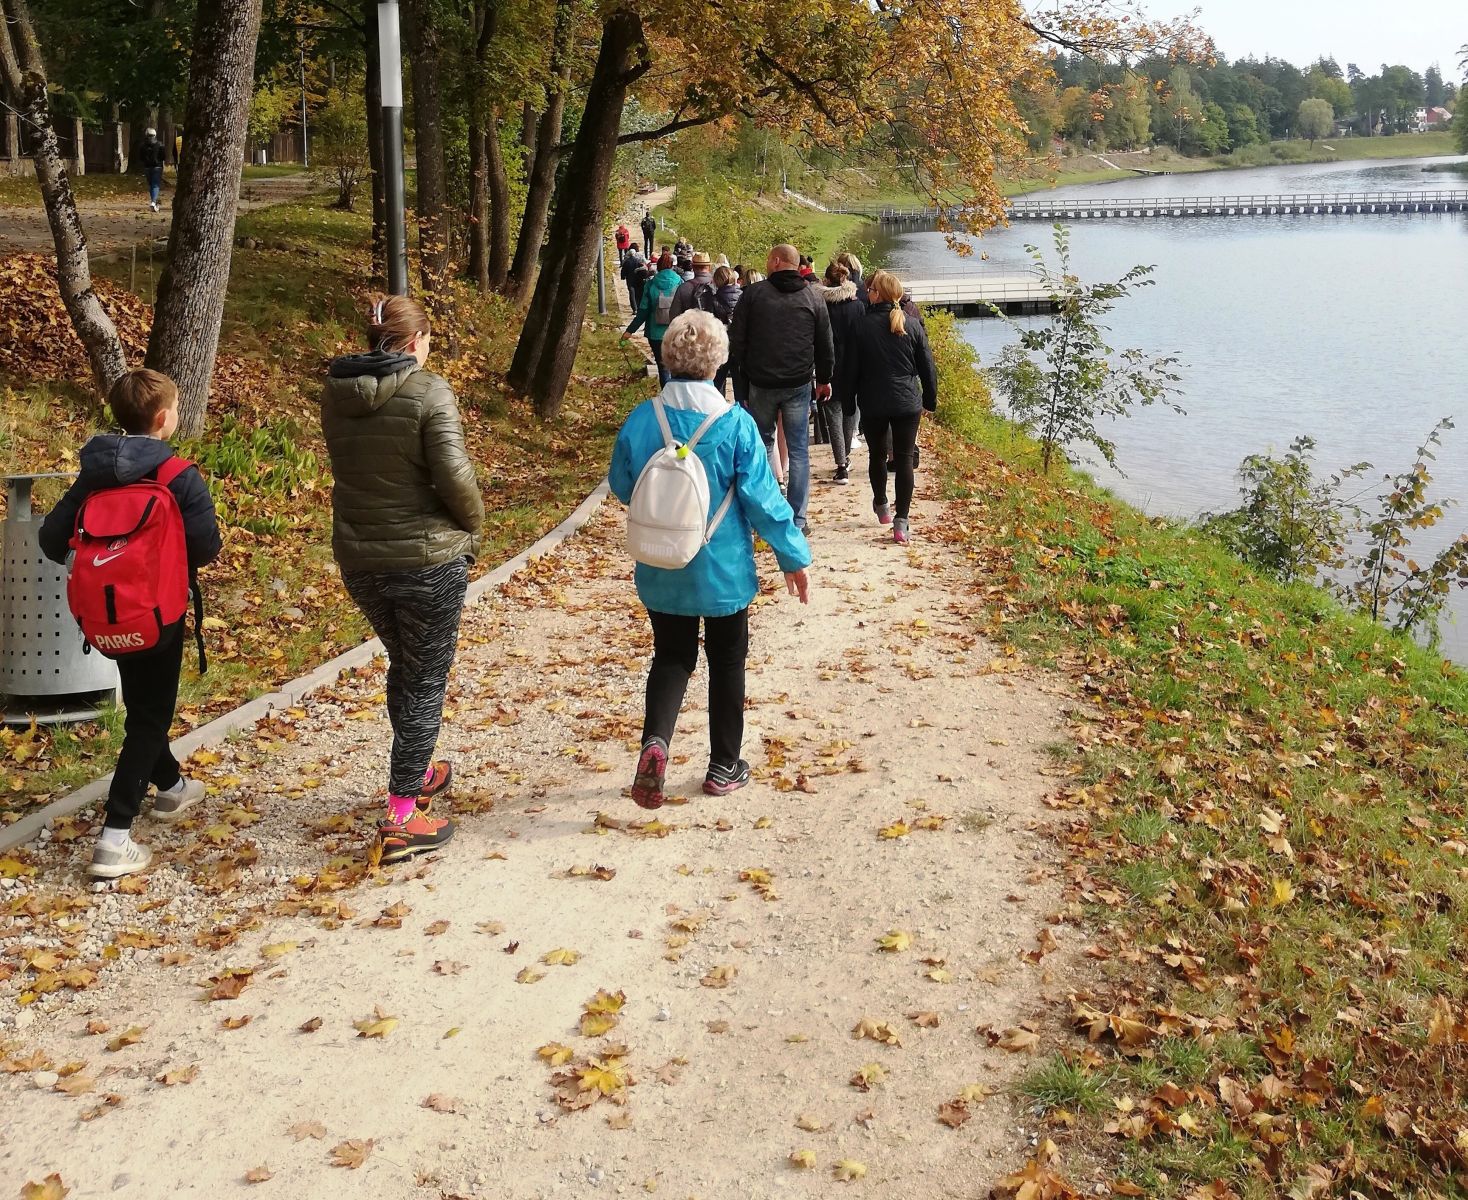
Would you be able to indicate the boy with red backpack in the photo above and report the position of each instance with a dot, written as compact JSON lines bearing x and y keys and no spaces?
{"x":138,"y":523}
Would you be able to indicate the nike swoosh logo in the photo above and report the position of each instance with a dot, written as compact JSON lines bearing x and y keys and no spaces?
{"x":99,"y":561}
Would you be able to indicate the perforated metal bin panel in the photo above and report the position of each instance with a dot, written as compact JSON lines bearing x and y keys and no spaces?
{"x":41,"y":649}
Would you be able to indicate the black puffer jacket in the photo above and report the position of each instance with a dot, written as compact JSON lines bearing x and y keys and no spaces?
{"x":405,"y":496}
{"x":846,"y":310}
{"x":113,"y":459}
{"x":893,"y":372}
{"x":781,"y":333}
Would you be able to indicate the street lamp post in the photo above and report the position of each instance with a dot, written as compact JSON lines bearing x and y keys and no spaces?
{"x":390,"y":77}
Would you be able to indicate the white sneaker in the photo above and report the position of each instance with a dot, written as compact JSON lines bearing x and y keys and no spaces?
{"x":153,"y":205}
{"x":171,"y":803}
{"x":113,"y":862}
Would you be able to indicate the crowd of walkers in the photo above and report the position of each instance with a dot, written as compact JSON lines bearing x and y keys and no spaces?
{"x":843,"y":351}
{"x":839,"y":354}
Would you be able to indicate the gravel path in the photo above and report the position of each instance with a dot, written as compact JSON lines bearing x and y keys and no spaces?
{"x":899,"y":775}
{"x":114,"y":223}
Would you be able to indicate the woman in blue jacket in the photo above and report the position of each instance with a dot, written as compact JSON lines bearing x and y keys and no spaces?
{"x":718,"y":586}
{"x":664,"y":283}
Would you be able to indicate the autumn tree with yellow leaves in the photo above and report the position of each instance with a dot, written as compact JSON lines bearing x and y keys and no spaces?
{"x":936,"y":79}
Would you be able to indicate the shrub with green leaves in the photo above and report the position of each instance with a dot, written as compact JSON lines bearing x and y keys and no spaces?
{"x":1062,"y":379}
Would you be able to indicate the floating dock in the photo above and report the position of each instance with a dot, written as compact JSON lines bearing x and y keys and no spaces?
{"x":972,"y":295}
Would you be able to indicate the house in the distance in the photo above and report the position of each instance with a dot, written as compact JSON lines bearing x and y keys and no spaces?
{"x":1435,"y":117}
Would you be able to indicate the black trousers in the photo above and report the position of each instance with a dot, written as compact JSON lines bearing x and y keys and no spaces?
{"x":150,"y":694}
{"x":416,"y":614}
{"x":893,"y":438}
{"x":675,"y":655}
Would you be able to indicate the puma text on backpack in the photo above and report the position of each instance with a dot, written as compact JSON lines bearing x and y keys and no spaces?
{"x":668,"y":518}
{"x":664,"y":313}
{"x":128,"y":586}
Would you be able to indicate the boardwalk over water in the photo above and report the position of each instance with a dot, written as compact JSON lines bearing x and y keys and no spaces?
{"x":972,"y":294}
{"x":1058,"y":208}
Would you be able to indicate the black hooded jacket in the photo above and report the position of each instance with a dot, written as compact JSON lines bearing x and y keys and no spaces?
{"x":781,"y":333}
{"x":893,"y":373}
{"x":113,"y":459}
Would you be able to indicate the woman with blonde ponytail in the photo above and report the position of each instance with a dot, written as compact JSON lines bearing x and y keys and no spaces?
{"x":895,"y":380}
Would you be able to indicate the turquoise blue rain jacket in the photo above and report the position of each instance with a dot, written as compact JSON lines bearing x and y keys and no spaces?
{"x":664,"y":283}
{"x":721,"y":579}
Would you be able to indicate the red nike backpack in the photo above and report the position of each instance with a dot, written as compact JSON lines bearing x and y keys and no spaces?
{"x":129,"y":582}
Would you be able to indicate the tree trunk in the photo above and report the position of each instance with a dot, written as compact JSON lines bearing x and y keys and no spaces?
{"x":425,"y":55}
{"x":544,"y":158}
{"x":24,"y":81}
{"x":372,"y":90}
{"x":190,"y":303}
{"x":478,"y":208}
{"x":499,"y":205}
{"x":547,"y":347}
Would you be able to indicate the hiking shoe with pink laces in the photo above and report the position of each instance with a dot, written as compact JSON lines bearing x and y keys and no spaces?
{"x":652,"y":765}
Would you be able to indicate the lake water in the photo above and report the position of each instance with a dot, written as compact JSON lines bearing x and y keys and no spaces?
{"x":1352,"y":329}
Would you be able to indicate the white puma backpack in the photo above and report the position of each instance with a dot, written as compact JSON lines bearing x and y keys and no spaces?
{"x":668,"y":518}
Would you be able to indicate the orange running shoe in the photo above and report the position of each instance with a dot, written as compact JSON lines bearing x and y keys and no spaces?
{"x":419,"y":834}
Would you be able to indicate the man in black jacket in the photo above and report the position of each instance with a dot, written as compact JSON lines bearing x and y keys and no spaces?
{"x":634,"y":274}
{"x":649,"y":231}
{"x":697,"y":292}
{"x":151,"y":157}
{"x":779,"y":338}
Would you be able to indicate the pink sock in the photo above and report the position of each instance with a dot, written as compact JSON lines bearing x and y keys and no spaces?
{"x":400,"y":808}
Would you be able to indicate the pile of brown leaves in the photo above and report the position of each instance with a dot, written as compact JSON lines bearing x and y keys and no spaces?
{"x":37,"y":340}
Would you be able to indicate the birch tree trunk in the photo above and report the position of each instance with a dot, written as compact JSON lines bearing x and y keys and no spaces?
{"x":23,"y":77}
{"x":190,"y":303}
{"x":547,"y":348}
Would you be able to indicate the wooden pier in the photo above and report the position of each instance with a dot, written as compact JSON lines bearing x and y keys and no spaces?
{"x":972,"y":294}
{"x":1057,"y":208}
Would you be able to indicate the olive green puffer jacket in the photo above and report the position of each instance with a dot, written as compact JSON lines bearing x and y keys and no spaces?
{"x":405,"y":495}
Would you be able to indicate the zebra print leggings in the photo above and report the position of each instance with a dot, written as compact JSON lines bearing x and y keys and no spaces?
{"x":416,"y":614}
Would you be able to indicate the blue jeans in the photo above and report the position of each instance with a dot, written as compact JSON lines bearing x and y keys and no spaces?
{"x":155,"y":182}
{"x":794,"y":404}
{"x":657,"y":356}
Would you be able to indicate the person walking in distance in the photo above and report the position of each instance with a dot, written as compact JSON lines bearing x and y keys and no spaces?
{"x":407,"y":518}
{"x":839,"y":412}
{"x":649,"y":230}
{"x":144,"y":406}
{"x":698,"y":292}
{"x":780,"y":336}
{"x":894,"y":379}
{"x":623,"y":239}
{"x":152,"y":154}
{"x":655,"y":311}
{"x":717,"y":586}
{"x":634,"y":268}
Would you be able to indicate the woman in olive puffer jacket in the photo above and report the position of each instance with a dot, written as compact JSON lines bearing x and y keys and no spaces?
{"x":406,"y":522}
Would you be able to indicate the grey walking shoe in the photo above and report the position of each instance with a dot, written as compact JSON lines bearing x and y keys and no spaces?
{"x":171,"y":803}
{"x":113,"y":862}
{"x":884,"y":514}
{"x":900,"y":531}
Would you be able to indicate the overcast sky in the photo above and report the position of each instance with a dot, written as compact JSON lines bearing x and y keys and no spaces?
{"x":1366,"y":32}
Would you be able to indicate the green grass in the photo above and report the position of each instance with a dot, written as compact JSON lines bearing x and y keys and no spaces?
{"x":1265,"y":816}
{"x":295,"y":300}
{"x":1064,"y":1083}
{"x":23,"y":188}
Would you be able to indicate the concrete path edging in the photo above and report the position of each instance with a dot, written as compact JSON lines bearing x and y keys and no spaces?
{"x":296,"y":690}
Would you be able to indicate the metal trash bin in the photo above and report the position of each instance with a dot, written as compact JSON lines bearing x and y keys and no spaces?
{"x":45,"y":671}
